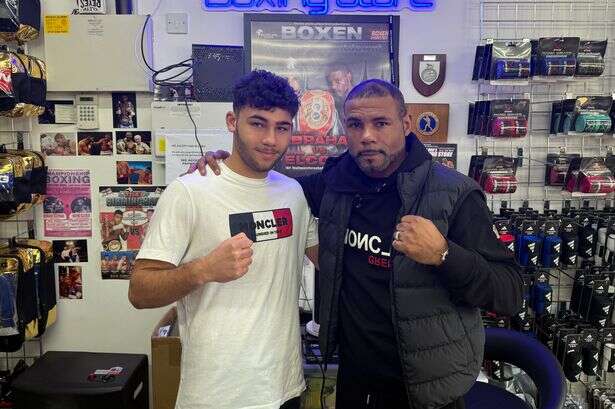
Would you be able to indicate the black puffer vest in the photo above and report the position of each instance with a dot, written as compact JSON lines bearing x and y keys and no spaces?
{"x":440,"y":343}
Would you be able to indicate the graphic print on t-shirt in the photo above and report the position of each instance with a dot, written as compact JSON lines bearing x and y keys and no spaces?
{"x":377,"y":249}
{"x":263,"y":226}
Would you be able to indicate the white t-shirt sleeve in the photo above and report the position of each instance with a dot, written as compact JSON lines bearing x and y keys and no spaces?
{"x":170,"y":229}
{"x":312,"y":236}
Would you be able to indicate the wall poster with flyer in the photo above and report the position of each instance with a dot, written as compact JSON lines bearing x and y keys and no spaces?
{"x":67,"y":209}
{"x":322,"y":57}
{"x":125,"y":213}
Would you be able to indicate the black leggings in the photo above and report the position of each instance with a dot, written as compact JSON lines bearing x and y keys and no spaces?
{"x":354,"y":392}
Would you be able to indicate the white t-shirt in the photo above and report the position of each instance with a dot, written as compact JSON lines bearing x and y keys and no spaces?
{"x":240,"y":340}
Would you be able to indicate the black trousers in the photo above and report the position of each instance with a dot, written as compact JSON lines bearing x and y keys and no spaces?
{"x":292,"y":404}
{"x":354,"y":392}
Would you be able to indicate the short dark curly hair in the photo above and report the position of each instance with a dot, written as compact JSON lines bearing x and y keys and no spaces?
{"x":264,"y":90}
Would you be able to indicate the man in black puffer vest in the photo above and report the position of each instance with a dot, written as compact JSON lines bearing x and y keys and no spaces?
{"x":407,"y":257}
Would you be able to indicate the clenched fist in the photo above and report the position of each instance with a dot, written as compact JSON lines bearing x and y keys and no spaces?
{"x":420,"y":240}
{"x":229,"y":261}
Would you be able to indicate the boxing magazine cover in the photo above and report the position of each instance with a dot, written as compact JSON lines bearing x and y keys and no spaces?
{"x":125,"y":213}
{"x":322,"y":59}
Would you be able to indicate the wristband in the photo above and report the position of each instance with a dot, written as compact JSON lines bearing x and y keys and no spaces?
{"x":551,"y":65}
{"x":592,"y":123}
{"x":500,"y":184}
{"x":597,"y":184}
{"x":511,"y":69}
{"x":508,"y":127}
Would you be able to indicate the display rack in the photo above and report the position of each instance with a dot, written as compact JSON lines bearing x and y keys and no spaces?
{"x":515,"y":20}
{"x":531,"y":19}
{"x":15,"y":134}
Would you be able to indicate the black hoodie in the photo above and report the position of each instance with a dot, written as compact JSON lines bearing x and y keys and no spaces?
{"x":367,"y":334}
{"x":366,"y":327}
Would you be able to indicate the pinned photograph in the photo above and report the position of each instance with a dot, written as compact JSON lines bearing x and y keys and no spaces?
{"x":117,"y":265}
{"x":95,"y":143}
{"x":124,"y":109}
{"x":58,"y":112}
{"x":70,"y":251}
{"x":59,"y":144}
{"x":70,"y":282}
{"x":134,"y":173}
{"x":133,"y":142}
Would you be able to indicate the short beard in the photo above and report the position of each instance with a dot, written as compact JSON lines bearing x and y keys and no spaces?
{"x":371,"y":170}
{"x":245,"y":156}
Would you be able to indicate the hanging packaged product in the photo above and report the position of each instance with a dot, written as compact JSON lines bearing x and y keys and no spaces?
{"x":486,"y":62}
{"x":20,"y":21}
{"x":590,"y":351}
{"x":482,"y":118}
{"x":18,"y":310}
{"x":589,"y":175}
{"x":476,"y":165}
{"x":9,"y":17}
{"x":42,"y":255}
{"x":556,"y":124}
{"x":478,"y":61}
{"x":510,"y":60}
{"x":474,"y":117}
{"x":590,"y":58}
{"x":557,"y":167}
{"x":612,"y":115}
{"x":557,"y":56}
{"x":505,"y":234}
{"x":551,"y":244}
{"x":528,"y":243}
{"x":509,"y":118}
{"x":588,"y":235}
{"x":586,"y":115}
{"x":14,"y":190}
{"x":471,"y":108}
{"x":29,"y":86}
{"x":541,"y":294}
{"x":596,"y":182}
{"x":571,"y":357}
{"x":534,"y":58}
{"x":7,"y":92}
{"x":498,"y":175}
{"x":35,"y":172}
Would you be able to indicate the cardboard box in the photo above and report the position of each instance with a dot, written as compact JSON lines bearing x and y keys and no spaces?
{"x":166,"y":360}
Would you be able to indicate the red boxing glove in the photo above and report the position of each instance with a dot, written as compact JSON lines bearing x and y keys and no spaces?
{"x":508,"y":127}
{"x":597,"y":184}
{"x":500,"y":184}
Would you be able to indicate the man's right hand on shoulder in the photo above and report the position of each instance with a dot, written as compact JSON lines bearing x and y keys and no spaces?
{"x":210,"y":158}
{"x":227,"y":262}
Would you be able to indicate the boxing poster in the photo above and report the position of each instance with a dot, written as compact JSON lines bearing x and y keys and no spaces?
{"x":67,"y":209}
{"x":322,"y":57}
{"x":124,"y":218}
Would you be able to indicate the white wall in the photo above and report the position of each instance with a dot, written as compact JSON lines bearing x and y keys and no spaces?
{"x":104,"y":320}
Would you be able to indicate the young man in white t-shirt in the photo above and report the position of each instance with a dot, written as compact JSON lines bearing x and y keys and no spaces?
{"x":229,"y":249}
